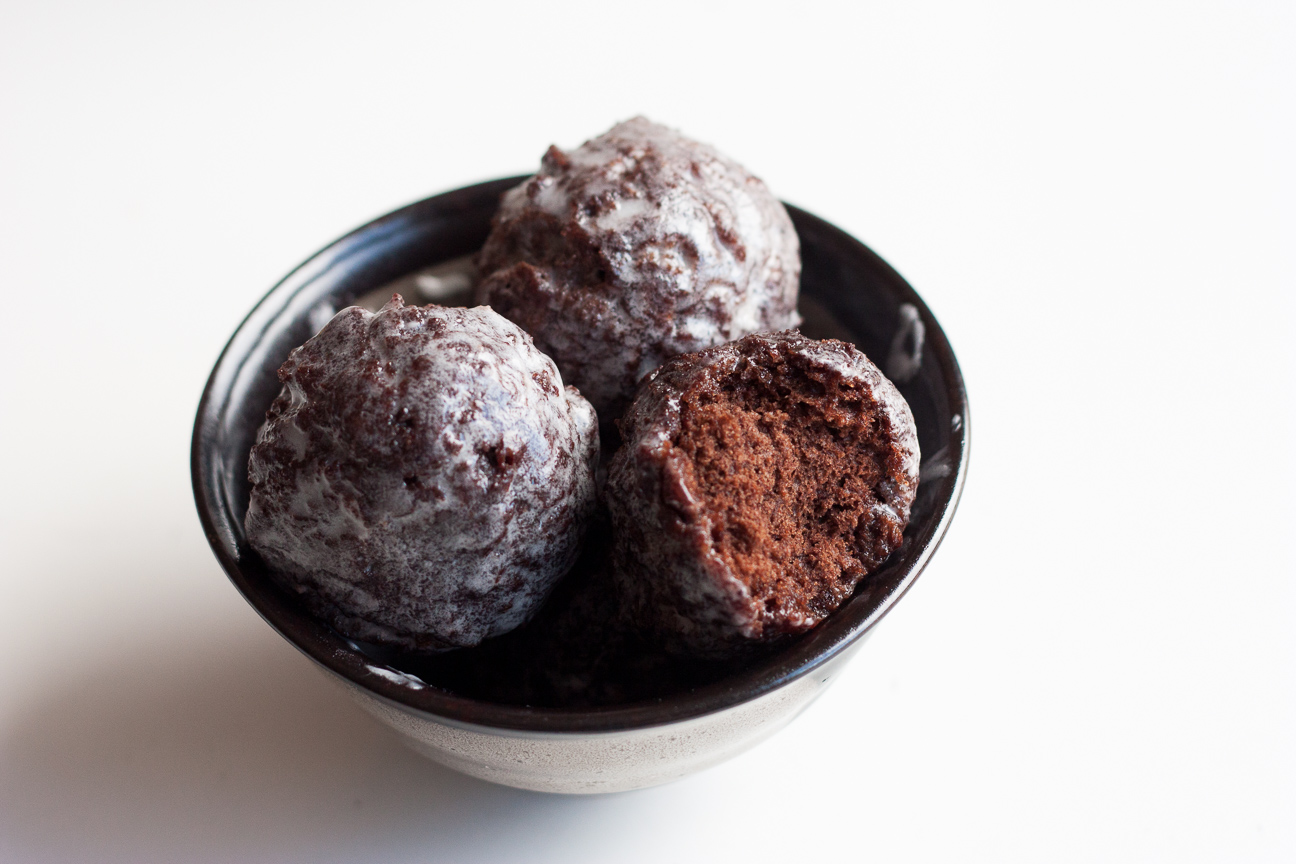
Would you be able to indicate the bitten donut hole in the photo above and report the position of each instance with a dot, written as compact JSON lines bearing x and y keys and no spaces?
{"x":787,"y":463}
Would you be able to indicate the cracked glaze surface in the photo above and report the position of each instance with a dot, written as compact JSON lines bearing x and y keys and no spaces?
{"x":424,"y":478}
{"x":639,"y":245}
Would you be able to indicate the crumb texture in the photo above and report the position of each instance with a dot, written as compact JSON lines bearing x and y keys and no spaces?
{"x":424,"y":477}
{"x":758,"y":484}
{"x":639,"y":245}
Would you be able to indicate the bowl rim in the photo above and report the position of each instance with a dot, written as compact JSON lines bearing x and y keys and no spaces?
{"x":335,"y":654}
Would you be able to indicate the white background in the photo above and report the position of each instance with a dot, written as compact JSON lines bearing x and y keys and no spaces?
{"x":1094,"y":198}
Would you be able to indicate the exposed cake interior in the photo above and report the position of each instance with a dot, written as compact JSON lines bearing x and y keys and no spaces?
{"x":787,"y":457}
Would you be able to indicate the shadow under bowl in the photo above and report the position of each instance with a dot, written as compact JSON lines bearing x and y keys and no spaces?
{"x":847,"y":292}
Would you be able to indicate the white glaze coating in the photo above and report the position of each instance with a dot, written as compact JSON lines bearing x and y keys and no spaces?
{"x":397,"y":677}
{"x":639,"y":245}
{"x":424,"y":478}
{"x":904,"y":360}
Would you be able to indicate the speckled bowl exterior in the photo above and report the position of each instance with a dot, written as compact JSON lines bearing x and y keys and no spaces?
{"x":847,"y":292}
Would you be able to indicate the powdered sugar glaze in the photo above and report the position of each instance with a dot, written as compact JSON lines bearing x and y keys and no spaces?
{"x":639,"y":245}
{"x":424,"y":477}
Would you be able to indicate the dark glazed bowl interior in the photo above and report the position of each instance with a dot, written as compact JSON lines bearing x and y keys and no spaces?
{"x":841,"y":277}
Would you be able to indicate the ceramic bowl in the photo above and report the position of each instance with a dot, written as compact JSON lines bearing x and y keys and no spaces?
{"x":847,"y":292}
